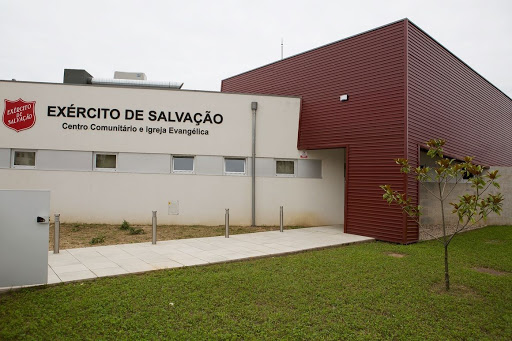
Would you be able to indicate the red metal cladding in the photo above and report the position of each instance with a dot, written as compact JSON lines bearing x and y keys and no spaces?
{"x":447,"y":99}
{"x":404,"y":89}
{"x":370,"y":69}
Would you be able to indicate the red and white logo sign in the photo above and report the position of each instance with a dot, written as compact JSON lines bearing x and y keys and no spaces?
{"x":19,"y":115}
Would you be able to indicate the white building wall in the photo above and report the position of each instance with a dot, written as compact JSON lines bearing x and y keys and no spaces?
{"x":277,"y":119}
{"x":306,"y":202}
{"x":314,"y":196}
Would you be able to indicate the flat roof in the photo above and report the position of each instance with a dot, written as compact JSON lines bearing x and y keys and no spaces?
{"x":144,"y":88}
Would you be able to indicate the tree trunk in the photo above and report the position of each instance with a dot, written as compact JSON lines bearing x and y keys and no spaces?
{"x":446,"y":274}
{"x":445,"y":240}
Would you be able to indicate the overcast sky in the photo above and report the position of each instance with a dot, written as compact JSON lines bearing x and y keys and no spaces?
{"x":202,"y":42}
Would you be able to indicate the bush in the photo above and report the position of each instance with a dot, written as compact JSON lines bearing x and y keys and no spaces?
{"x":97,"y":240}
{"x":135,"y":231}
{"x":125,"y":226}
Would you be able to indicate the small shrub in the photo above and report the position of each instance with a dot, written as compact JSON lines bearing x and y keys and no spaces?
{"x":135,"y":231}
{"x":470,"y":208}
{"x":97,"y":240}
{"x":125,"y":226}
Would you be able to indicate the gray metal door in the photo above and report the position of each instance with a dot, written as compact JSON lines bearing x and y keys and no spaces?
{"x":24,"y":240}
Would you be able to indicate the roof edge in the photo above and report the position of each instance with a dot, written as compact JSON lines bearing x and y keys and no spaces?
{"x":406,"y":20}
{"x":319,"y":47}
{"x":3,"y":81}
{"x":453,"y":54}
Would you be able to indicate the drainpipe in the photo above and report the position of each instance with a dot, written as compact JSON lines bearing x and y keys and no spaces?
{"x":254,"y":107}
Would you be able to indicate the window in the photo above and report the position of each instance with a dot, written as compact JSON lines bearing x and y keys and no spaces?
{"x":285,"y":167}
{"x":183,"y":164}
{"x":234,"y":166}
{"x":23,"y":159}
{"x":105,"y":161}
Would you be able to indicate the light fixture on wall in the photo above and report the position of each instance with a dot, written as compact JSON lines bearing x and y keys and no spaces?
{"x":343,"y":98}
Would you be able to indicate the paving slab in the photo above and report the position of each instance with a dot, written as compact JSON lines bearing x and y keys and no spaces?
{"x":109,"y":272}
{"x":113,"y":260}
{"x":76,"y":275}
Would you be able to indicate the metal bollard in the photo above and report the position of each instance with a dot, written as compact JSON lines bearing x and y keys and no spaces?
{"x":56,"y":235}
{"x":154,"y":227}
{"x":227,"y":222}
{"x":281,"y":218}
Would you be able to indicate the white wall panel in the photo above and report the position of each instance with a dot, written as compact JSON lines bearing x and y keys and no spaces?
{"x":63,"y":160}
{"x":310,"y":169}
{"x":143,"y":163}
{"x":5,"y":158}
{"x":265,"y":167}
{"x":209,"y":165}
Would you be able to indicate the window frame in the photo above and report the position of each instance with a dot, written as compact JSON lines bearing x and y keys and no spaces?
{"x":235,"y":173}
{"x":13,"y":157}
{"x":179,"y":171}
{"x":286,"y":175}
{"x":101,"y":169}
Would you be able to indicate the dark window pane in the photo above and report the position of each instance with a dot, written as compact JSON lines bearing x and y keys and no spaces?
{"x":105,"y":161}
{"x":235,"y":165}
{"x":185,"y":163}
{"x":285,"y":167}
{"x":24,"y":158}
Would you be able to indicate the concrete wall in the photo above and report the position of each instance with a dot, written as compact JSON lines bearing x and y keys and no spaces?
{"x":432,"y":219}
{"x":505,"y":182}
{"x":143,"y":180}
{"x":110,"y":197}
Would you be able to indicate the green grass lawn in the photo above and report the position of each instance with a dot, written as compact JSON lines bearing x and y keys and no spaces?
{"x":354,"y":292}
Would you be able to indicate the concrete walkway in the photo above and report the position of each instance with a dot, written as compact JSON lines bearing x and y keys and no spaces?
{"x":92,"y":262}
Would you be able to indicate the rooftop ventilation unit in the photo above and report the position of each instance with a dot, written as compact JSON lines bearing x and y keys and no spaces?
{"x":136,"y":82}
{"x":130,"y":75}
{"x":75,"y":76}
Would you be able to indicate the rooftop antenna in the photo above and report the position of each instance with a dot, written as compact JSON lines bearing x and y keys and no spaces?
{"x":281,"y":48}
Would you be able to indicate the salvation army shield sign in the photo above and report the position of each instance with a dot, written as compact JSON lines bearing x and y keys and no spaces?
{"x":19,"y":115}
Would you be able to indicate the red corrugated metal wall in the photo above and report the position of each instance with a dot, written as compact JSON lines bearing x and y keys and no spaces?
{"x":371,"y":69}
{"x":447,"y":99}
